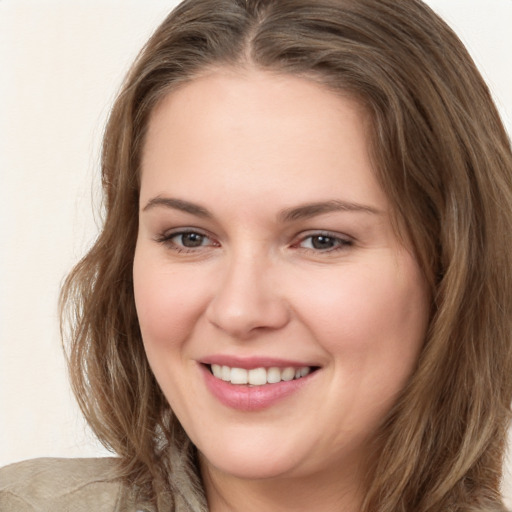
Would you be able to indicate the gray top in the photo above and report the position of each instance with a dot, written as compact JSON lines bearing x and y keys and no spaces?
{"x":65,"y":485}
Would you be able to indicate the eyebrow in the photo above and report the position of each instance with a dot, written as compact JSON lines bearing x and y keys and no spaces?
{"x":313,"y":209}
{"x":303,"y":211}
{"x":177,"y":204}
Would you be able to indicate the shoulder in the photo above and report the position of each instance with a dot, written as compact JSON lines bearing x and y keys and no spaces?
{"x":62,"y":485}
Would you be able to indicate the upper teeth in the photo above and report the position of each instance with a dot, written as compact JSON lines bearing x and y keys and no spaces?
{"x":258,"y":376}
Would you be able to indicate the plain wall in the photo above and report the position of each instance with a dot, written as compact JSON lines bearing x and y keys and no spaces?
{"x":61,"y":63}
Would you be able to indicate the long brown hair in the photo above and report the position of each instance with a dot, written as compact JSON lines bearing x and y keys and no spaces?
{"x":444,"y":160}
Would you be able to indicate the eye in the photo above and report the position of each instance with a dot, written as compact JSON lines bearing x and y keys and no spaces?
{"x":190,"y":239}
{"x":324,"y":242}
{"x":186,"y":240}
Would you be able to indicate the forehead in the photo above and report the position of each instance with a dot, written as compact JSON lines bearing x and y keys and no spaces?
{"x":253,"y":131}
{"x":251,"y":99}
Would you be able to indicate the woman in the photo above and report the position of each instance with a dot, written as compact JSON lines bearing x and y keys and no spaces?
{"x":301,"y":296}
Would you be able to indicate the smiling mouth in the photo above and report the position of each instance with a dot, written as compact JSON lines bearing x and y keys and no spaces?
{"x":259,"y":376}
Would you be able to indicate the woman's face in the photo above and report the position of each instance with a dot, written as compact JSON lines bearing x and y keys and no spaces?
{"x":266,"y":253}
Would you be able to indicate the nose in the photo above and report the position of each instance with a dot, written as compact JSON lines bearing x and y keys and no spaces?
{"x":247,"y":299}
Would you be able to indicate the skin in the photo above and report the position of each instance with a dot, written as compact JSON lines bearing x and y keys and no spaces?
{"x":248,"y":147}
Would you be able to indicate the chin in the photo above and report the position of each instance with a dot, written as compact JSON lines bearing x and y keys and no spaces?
{"x":245,"y":470}
{"x":250,"y":462}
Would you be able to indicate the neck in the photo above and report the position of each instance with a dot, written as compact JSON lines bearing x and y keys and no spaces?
{"x":325,"y":492}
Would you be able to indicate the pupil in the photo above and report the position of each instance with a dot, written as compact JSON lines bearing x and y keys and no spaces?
{"x":192,"y":239}
{"x":322,"y":242}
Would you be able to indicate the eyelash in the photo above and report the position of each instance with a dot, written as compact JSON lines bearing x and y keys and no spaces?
{"x":167,"y":240}
{"x":339,"y":242}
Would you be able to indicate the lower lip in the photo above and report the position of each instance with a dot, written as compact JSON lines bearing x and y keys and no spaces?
{"x":251,"y":398}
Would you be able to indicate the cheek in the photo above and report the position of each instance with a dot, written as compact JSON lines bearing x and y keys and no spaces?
{"x":376,"y":313}
{"x":168,"y":303}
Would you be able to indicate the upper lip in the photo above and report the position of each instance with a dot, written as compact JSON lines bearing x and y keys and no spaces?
{"x":250,"y":363}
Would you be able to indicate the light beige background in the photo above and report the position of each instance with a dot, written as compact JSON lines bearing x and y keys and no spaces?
{"x":61,"y":63}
